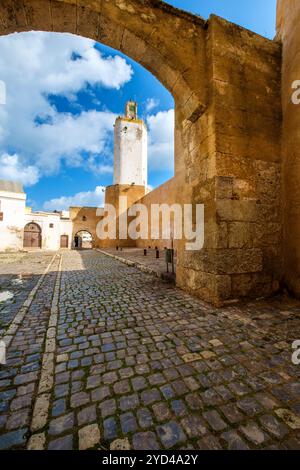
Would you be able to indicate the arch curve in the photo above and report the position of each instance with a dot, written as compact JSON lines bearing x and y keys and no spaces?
{"x":168,"y":42}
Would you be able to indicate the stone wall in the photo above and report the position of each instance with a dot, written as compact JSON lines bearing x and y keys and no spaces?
{"x":288,"y":31}
{"x":171,"y":192}
{"x":232,"y":157}
{"x":113,"y":193}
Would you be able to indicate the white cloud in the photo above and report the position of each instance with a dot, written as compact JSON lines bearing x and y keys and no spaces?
{"x":161,"y":141}
{"x":12,"y":169}
{"x":151,"y":104}
{"x":34,"y":65}
{"x":88,"y":199}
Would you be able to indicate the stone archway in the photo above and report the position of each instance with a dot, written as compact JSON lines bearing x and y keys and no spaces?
{"x":83,"y":240}
{"x":226,"y":82}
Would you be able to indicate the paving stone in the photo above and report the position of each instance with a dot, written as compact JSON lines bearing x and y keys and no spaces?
{"x":253,"y":433}
{"x":167,"y":391}
{"x":13,"y":439}
{"x":100,"y":393}
{"x":232,"y":414}
{"x":79,"y":399}
{"x":171,"y":434}
{"x":156,"y":379}
{"x":138,"y":383}
{"x":267,"y":401}
{"x":161,"y":411}
{"x":194,"y":401}
{"x":214,"y":420}
{"x":179,"y":408}
{"x":145,"y":441}
{"x":62,"y":424}
{"x":18,"y":419}
{"x":120,"y":444}
{"x":110,"y":428}
{"x":61,"y":390}
{"x":110,"y":378}
{"x":122,"y":387}
{"x":289,"y":418}
{"x":108,"y":408}
{"x":209,"y":442}
{"x":234,"y":441}
{"x":180,"y":388}
{"x":94,"y":381}
{"x":89,"y":437}
{"x":59,"y":407}
{"x":239,"y":389}
{"x":126,"y":373}
{"x":63,"y":443}
{"x":194,"y":426}
{"x":22,"y":402}
{"x":37,"y":442}
{"x":249,"y":406}
{"x":144,"y":418}
{"x":150,"y":396}
{"x":128,"y":423}
{"x":87,"y":415}
{"x":129,"y":402}
{"x":273,"y":426}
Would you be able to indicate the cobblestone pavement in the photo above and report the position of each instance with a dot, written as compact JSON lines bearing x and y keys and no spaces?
{"x":110,"y":357}
{"x":148,"y":262}
{"x":19,"y":273}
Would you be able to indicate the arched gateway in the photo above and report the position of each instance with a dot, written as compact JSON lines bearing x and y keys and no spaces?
{"x":226,"y":84}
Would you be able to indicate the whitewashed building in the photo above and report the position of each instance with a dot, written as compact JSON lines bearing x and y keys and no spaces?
{"x":12,"y":213}
{"x":20,"y":228}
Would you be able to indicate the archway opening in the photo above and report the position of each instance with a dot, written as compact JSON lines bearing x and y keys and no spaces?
{"x":32,"y":236}
{"x":83,"y":240}
{"x":68,"y":154}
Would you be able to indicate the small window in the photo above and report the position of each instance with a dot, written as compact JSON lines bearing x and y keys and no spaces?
{"x":1,"y":216}
{"x":51,"y":225}
{"x":84,"y":218}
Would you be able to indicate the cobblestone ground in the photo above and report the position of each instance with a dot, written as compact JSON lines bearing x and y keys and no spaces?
{"x":110,"y":357}
{"x":19,"y":273}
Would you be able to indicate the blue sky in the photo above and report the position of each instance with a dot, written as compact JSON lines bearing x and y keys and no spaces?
{"x":56,"y":131}
{"x":257,"y":15}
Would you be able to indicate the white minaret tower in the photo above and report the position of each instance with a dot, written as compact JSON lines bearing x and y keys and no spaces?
{"x":131,"y":148}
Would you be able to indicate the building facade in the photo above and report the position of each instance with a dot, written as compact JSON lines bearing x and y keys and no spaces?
{"x":12,"y":215}
{"x":22,"y":229}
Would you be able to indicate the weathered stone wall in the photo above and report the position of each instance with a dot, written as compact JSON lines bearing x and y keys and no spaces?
{"x":288,"y":31}
{"x":113,"y":193}
{"x":172,"y":192}
{"x":232,"y":158}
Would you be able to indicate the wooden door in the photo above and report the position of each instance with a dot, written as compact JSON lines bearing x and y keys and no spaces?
{"x":32,"y":236}
{"x":64,"y":241}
